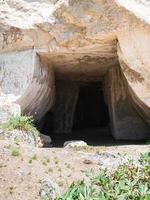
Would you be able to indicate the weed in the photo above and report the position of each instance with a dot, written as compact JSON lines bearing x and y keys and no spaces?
{"x":11,"y":189}
{"x":56,"y":162}
{"x":128,"y":181}
{"x":50,"y":170}
{"x":60,"y":183}
{"x":59,"y":169}
{"x":34,"y":157}
{"x":15,"y":152}
{"x":68,"y":166}
{"x":44,"y":163}
{"x":30,"y":161}
{"x":23,"y":123}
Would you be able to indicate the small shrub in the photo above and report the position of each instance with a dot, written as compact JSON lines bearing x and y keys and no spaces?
{"x":44,"y":163}
{"x":34,"y":157}
{"x":11,"y":189}
{"x":128,"y":181}
{"x":23,"y":123}
{"x":50,"y":170}
{"x":30,"y":161}
{"x":15,"y":152}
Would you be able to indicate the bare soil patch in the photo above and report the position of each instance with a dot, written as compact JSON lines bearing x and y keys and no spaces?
{"x":21,"y":174}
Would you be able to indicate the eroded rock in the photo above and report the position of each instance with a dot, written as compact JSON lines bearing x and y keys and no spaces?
{"x":46,"y":140}
{"x":49,"y":190}
{"x":20,"y":137}
{"x":125,"y":122}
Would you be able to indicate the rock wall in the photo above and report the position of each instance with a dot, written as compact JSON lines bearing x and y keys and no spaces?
{"x":26,"y":83}
{"x":39,"y":97}
{"x":133,"y":53}
{"x":126,"y":124}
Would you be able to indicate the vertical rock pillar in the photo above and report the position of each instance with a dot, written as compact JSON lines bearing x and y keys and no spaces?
{"x":63,"y":111}
{"x":39,"y":96}
{"x":27,"y":84}
{"x":125,"y":121}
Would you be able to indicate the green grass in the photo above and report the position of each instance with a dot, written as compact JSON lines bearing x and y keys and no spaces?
{"x":34,"y":157}
{"x":128,"y":182}
{"x":23,"y":123}
{"x":15,"y":152}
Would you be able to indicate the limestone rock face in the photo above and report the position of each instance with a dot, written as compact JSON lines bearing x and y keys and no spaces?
{"x":9,"y":110}
{"x":30,"y":84}
{"x":91,"y":40}
{"x":124,"y":120}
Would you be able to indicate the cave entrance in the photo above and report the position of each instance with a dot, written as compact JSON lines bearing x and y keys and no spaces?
{"x":79,"y":113}
{"x":91,"y":111}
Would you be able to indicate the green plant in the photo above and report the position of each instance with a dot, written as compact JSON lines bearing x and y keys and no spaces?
{"x":44,"y":163}
{"x":59,"y":169}
{"x":50,"y":170}
{"x":11,"y":189}
{"x":15,"y":152}
{"x":130,"y":181}
{"x":34,"y":157}
{"x":23,"y":123}
{"x":148,"y":142}
{"x":80,"y":191}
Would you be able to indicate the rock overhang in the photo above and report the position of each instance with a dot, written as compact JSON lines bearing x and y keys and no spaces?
{"x":90,"y":63}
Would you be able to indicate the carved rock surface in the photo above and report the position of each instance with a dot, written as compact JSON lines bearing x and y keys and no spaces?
{"x":28,"y":82}
{"x":76,"y":40}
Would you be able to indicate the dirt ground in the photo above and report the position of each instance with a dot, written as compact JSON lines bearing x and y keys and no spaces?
{"x":21,"y":175}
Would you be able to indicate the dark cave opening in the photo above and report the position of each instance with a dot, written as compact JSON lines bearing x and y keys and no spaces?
{"x":91,"y":110}
{"x":80,"y":115}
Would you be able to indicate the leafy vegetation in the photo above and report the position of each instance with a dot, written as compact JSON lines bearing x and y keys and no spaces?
{"x":23,"y":123}
{"x":15,"y":152}
{"x":34,"y":157}
{"x":129,"y":181}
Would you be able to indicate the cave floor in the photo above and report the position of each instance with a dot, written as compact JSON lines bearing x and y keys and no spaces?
{"x":92,"y":136}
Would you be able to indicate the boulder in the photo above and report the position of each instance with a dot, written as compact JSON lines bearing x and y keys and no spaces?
{"x":20,"y":137}
{"x":49,"y":190}
{"x":46,"y":140}
{"x":75,"y":143}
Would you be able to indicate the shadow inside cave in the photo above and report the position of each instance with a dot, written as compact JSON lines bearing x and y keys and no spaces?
{"x":93,"y":137}
{"x":91,"y":122}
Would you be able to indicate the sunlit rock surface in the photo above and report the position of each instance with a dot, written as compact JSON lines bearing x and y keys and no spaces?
{"x":44,"y":40}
